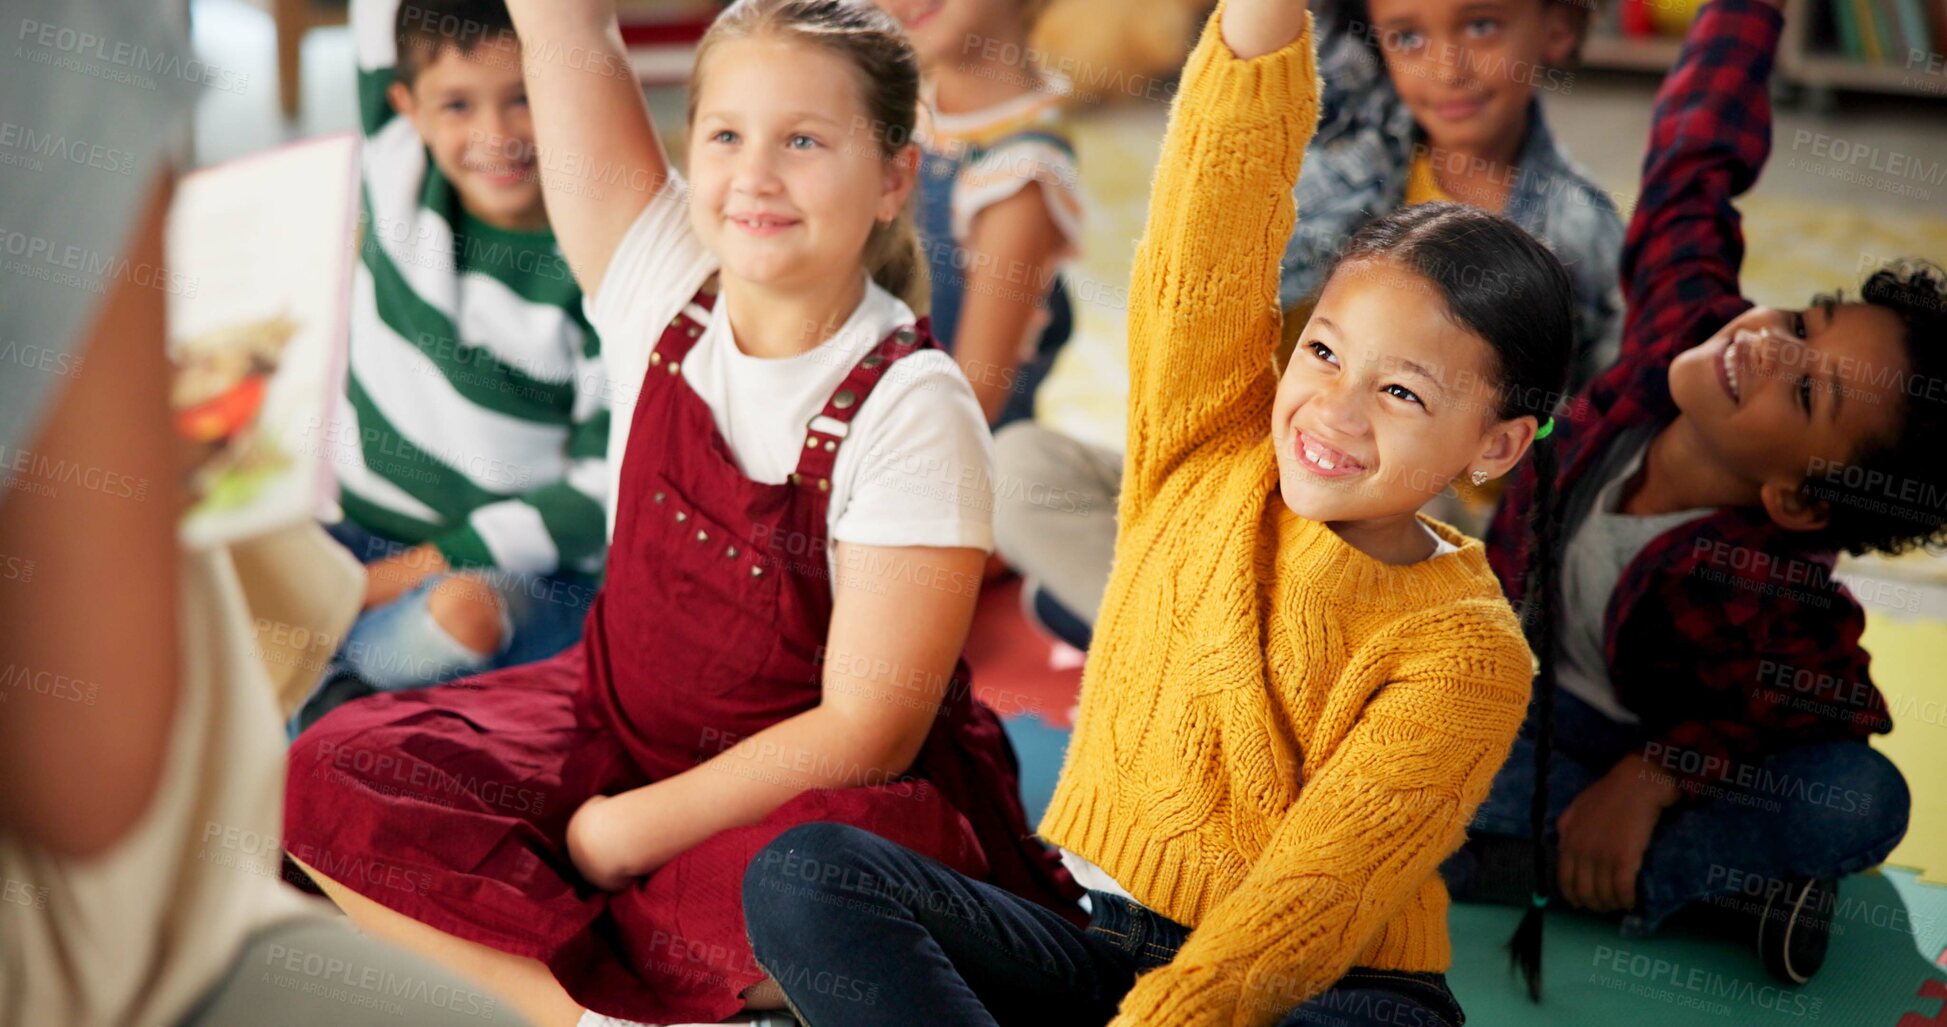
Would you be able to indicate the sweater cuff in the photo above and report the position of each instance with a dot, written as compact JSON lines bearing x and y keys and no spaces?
{"x":1280,"y":86}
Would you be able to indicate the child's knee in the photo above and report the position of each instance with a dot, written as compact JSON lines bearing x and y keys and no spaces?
{"x":1853,"y":798}
{"x":1039,"y":474}
{"x":790,"y":883}
{"x":1024,"y":454}
{"x":1878,"y":791}
{"x":469,"y":611}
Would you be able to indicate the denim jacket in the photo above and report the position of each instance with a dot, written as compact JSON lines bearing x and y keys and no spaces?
{"x":1356,"y":168}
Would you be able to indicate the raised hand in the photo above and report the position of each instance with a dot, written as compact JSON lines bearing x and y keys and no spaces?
{"x":1253,"y":28}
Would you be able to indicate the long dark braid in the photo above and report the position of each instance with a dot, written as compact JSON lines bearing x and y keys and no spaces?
{"x":1540,"y":613}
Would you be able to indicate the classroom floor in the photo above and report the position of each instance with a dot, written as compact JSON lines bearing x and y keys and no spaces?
{"x":1812,"y":224}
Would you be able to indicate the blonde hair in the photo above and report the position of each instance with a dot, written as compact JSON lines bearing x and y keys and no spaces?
{"x":888,"y":71}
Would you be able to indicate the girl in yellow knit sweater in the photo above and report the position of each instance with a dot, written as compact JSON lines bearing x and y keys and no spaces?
{"x":1301,"y":687}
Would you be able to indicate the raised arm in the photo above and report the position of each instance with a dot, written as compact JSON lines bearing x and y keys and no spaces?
{"x":1709,"y":140}
{"x":1203,"y":313}
{"x":600,"y":158}
{"x":376,"y":53}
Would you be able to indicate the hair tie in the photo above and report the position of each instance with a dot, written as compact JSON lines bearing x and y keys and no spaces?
{"x":1546,"y":427}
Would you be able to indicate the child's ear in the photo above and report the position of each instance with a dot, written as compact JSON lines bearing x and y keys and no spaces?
{"x":902,"y":174}
{"x":1504,"y":445}
{"x":1562,"y":25}
{"x":402,"y":100}
{"x":1791,"y":509}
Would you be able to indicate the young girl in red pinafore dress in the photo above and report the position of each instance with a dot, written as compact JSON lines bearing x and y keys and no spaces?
{"x":801,"y":519}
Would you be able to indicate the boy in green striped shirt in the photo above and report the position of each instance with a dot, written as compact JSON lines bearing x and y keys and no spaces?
{"x":470,"y":442}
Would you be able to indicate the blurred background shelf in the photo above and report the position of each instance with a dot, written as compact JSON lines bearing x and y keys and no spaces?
{"x":1613,"y":50}
{"x":1814,"y":53}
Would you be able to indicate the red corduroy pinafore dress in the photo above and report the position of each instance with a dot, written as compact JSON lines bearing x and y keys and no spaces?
{"x":450,"y":804}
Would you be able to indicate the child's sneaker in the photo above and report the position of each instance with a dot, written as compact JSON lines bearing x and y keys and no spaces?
{"x":1794,"y":928}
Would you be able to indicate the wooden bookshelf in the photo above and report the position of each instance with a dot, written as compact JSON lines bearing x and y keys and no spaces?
{"x":1803,"y":60}
{"x":1808,"y":62}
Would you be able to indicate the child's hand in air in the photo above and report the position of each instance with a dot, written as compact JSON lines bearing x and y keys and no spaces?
{"x":1253,"y":28}
{"x":1605,"y":832}
{"x":591,"y":845}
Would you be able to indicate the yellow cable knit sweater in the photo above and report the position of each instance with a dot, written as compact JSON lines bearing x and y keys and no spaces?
{"x":1280,"y":737}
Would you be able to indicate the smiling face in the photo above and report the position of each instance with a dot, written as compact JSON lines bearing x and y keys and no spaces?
{"x":471,"y":111}
{"x":1776,"y":392}
{"x":1467,"y":68}
{"x":1385,"y":401}
{"x":788,"y":177}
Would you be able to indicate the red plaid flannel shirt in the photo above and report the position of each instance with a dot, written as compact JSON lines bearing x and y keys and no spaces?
{"x":1726,"y":634}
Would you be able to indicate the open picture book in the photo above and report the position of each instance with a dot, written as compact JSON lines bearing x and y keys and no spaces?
{"x":264,"y":247}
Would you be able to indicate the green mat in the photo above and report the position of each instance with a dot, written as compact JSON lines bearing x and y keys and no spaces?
{"x":1890,"y":928}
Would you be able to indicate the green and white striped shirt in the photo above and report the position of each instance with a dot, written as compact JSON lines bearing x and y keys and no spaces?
{"x":475,"y":411}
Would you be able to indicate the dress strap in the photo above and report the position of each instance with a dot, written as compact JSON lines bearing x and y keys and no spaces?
{"x":828,"y":428}
{"x":683,"y":330}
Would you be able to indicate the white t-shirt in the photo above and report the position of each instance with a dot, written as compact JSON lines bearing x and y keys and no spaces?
{"x":915,"y":468}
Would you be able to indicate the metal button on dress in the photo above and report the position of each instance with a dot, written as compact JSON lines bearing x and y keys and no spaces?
{"x":845,"y":399}
{"x":681,"y":517}
{"x":703,"y":536}
{"x":756,"y":572}
{"x":871,"y":361}
{"x":660,"y":496}
{"x":731,"y":552}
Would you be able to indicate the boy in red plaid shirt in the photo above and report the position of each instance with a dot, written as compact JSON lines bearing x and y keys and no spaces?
{"x":1704,"y":708}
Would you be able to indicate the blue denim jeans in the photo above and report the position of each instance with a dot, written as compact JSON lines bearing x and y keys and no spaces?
{"x":398,"y":645}
{"x":1821,"y":810}
{"x":861,"y":932}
